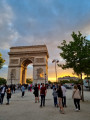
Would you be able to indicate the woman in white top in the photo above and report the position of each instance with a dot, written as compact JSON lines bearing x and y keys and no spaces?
{"x":76,"y":97}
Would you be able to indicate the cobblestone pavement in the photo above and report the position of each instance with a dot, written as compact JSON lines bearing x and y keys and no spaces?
{"x":26,"y":109}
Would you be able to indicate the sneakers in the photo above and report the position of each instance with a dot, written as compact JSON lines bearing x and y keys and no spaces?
{"x":76,"y":110}
{"x":40,"y":105}
{"x":62,"y":112}
{"x":7,"y":103}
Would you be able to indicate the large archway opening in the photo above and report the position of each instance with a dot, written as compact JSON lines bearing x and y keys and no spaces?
{"x":29,"y":74}
{"x":26,"y":70}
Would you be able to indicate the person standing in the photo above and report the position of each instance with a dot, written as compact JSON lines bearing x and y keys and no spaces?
{"x":14,"y":87}
{"x":8,"y":91}
{"x":43,"y":94}
{"x":2,"y":93}
{"x":64,"y":96}
{"x":55,"y":97}
{"x":76,"y":97}
{"x":60,"y":96}
{"x":0,"y":96}
{"x":36,"y":93}
{"x":23,"y":90}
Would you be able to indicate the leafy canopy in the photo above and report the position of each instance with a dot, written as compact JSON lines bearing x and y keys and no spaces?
{"x":1,"y":61}
{"x":76,"y":54}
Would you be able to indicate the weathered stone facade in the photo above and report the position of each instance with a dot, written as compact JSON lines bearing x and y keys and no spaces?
{"x":21,"y":57}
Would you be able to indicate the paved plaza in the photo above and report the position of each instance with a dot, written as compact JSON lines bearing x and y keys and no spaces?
{"x":26,"y":109}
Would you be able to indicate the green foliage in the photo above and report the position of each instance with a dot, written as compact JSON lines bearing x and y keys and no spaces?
{"x":28,"y":81}
{"x":87,"y":78}
{"x":1,"y":61}
{"x":64,"y":81}
{"x":76,"y":54}
{"x":49,"y":82}
{"x":2,"y":81}
{"x":71,"y":81}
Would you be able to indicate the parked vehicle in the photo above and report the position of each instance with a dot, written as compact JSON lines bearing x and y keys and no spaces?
{"x":86,"y":83}
{"x":68,"y":85}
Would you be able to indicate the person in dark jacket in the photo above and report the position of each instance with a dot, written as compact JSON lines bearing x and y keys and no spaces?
{"x":43,"y":94}
{"x":36,"y":93}
{"x":8,"y":91}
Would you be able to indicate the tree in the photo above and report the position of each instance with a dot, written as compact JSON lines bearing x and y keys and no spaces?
{"x":49,"y":82}
{"x":76,"y":54}
{"x":2,"y":81}
{"x":1,"y":61}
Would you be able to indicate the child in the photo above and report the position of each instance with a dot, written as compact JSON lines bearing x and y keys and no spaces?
{"x":55,"y":97}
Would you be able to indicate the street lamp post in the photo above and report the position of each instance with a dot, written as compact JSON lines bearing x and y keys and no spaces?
{"x":11,"y":77}
{"x":45,"y":78}
{"x":56,"y":61}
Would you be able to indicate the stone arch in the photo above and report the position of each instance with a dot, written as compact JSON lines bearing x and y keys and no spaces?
{"x":24,"y":65}
{"x":21,"y":56}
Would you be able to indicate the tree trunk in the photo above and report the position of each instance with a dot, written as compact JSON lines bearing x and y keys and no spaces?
{"x":82,"y":89}
{"x":88,"y":83}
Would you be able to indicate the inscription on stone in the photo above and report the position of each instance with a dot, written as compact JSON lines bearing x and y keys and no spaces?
{"x":39,"y":60}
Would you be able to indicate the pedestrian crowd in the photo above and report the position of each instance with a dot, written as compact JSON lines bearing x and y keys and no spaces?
{"x":59,"y":94}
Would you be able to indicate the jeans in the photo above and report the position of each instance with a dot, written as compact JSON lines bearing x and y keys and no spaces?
{"x":42,"y":100}
{"x":55,"y":101}
{"x":2,"y":97}
{"x":77,"y":103}
{"x":8,"y":100}
{"x":23,"y":93}
{"x":64,"y":101}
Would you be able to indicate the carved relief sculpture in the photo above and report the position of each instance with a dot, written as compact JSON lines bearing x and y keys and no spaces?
{"x":40,"y":74}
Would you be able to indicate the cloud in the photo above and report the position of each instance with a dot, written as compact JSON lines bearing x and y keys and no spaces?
{"x":34,"y":22}
{"x":7,"y":32}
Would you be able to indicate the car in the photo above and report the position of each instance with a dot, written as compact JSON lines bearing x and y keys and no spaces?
{"x":68,"y":86}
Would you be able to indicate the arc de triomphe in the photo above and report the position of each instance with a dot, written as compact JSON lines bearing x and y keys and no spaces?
{"x":20,"y":57}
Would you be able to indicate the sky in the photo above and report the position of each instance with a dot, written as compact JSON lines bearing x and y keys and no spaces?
{"x":39,"y":22}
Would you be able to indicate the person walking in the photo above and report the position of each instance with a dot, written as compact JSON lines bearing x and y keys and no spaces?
{"x":55,"y":97}
{"x":0,"y":96}
{"x":64,"y":96}
{"x":60,"y":96}
{"x":43,"y":94}
{"x":76,"y":97}
{"x":2,"y":93}
{"x":23,"y":90}
{"x":36,"y":93}
{"x":8,"y":91}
